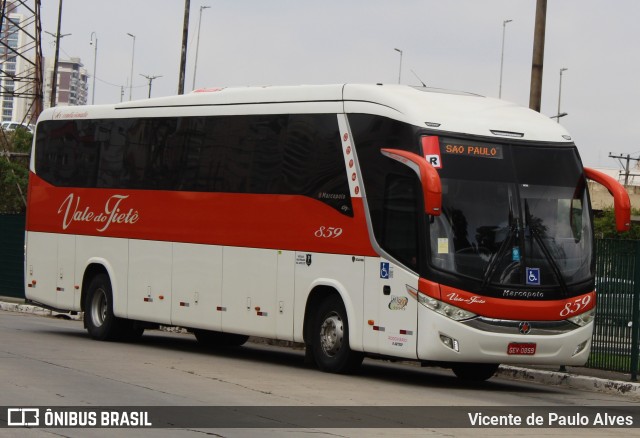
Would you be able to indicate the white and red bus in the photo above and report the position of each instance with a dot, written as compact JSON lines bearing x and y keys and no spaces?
{"x":378,"y":220}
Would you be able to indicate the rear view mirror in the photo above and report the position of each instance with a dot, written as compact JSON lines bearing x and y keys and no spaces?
{"x":429,"y":178}
{"x":621,"y":202}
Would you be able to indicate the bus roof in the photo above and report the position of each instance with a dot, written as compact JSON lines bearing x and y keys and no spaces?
{"x":435,"y":109}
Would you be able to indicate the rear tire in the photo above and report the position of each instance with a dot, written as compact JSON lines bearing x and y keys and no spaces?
{"x":212,"y":339}
{"x":330,"y":338}
{"x":475,"y":372}
{"x":100,"y":321}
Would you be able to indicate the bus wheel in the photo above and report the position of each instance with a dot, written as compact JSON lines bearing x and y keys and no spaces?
{"x":100,"y":321}
{"x":475,"y":372}
{"x":330,"y":346}
{"x":214,"y":339}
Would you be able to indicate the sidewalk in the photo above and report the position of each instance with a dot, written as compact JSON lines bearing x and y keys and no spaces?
{"x":586,"y":379}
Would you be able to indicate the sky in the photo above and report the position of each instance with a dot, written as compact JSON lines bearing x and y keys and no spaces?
{"x":453,"y":44}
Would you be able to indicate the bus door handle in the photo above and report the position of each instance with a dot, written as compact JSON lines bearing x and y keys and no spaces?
{"x":386,"y":290}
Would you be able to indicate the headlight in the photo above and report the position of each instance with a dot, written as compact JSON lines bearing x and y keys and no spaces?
{"x":446,"y":309}
{"x":584,"y":318}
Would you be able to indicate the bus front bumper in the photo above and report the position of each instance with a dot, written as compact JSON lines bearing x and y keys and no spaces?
{"x":443,"y":339}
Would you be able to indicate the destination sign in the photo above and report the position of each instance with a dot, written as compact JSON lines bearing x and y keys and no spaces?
{"x":471,"y":150}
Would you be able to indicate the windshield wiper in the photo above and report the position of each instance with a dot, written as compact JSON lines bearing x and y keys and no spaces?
{"x":495,"y":259}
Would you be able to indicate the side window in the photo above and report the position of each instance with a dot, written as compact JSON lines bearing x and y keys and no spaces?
{"x":111,"y":137}
{"x":400,"y":219}
{"x":392,"y":189}
{"x":313,"y":164}
{"x":203,"y":155}
{"x":66,"y":153}
{"x":298,"y":154}
{"x":148,"y":153}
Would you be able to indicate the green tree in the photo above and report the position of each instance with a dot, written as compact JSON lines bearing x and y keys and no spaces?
{"x":20,"y":140}
{"x":605,"y":226}
{"x":14,"y":170}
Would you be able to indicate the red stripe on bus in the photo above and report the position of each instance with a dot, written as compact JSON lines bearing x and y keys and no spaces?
{"x":286,"y":222}
{"x":521,"y":309}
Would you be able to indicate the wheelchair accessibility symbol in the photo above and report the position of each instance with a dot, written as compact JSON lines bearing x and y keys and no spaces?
{"x":384,"y":269}
{"x":533,"y":276}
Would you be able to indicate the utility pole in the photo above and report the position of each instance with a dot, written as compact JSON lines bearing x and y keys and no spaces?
{"x":183,"y":54}
{"x":535,"y":92}
{"x":628,"y":159}
{"x":54,"y":79}
{"x":150,"y":79}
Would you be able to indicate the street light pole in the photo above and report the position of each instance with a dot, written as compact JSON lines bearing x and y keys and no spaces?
{"x":560,"y":90}
{"x":504,"y":30}
{"x":195,"y":67}
{"x":400,"y":71}
{"x":95,"y":61}
{"x":133,"y":52}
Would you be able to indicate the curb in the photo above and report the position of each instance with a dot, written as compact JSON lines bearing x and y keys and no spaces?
{"x":544,"y":377}
{"x":569,"y":380}
{"x":28,"y":308}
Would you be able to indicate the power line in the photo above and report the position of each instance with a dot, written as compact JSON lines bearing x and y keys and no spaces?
{"x":627,"y":158}
{"x":150,"y":78}
{"x":117,"y":85}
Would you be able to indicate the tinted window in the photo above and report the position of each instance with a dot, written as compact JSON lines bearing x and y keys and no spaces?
{"x":268,"y":154}
{"x":392,"y":189}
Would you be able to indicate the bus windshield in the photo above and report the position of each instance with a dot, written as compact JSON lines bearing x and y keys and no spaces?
{"x":512,"y":216}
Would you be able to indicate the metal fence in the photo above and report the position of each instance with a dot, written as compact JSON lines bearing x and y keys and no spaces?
{"x":12,"y":255}
{"x":615,"y":337}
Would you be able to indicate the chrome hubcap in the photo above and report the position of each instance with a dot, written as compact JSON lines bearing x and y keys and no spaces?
{"x":331,"y":334}
{"x":99,"y":307}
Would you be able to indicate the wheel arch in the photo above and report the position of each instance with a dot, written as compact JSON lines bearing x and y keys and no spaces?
{"x":321,"y":289}
{"x":94,"y":267}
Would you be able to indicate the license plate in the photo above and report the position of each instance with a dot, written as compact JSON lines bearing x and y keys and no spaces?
{"x":522,"y":348}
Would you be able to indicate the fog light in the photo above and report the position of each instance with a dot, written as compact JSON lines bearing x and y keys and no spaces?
{"x":449,"y":342}
{"x":581,"y":346}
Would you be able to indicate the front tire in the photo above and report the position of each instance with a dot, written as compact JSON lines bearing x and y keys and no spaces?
{"x":330,"y":338}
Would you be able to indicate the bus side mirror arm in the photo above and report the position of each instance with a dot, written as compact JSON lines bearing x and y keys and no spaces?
{"x":429,"y":178}
{"x":621,"y":202}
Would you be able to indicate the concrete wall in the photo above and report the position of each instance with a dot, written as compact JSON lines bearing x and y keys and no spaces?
{"x":600,"y":197}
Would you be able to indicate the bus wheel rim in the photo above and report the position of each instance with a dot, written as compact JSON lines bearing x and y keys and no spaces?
{"x":331,"y":334}
{"x":99,"y":307}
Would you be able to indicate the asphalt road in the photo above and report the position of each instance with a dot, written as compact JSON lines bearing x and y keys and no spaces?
{"x":52,"y":362}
